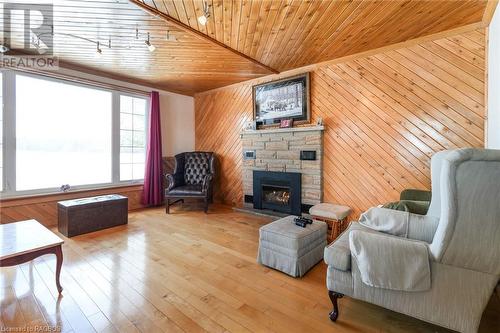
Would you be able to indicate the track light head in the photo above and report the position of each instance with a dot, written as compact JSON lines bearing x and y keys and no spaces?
{"x":169,"y":37}
{"x":98,"y":51}
{"x":150,"y":46}
{"x":203,"y":19}
{"x":3,"y":48}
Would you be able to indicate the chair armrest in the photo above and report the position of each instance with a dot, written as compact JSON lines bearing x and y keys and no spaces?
{"x":207,"y":182}
{"x":415,"y":195}
{"x":174,"y":180}
{"x":338,"y":253}
{"x":400,"y":223}
{"x":390,"y":262}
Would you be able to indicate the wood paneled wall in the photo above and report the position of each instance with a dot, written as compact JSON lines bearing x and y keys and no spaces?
{"x":44,"y":208}
{"x":385,"y":116}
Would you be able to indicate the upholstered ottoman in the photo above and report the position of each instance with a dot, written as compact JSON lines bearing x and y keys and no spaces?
{"x":334,"y":215}
{"x":289,"y":248}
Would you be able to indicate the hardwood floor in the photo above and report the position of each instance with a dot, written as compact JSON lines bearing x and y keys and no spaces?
{"x":185,"y":272}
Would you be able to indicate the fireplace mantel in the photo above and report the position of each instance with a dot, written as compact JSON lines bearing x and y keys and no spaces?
{"x":284,"y":130}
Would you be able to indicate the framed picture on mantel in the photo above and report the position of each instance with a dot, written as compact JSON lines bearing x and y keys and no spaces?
{"x":282,"y":99}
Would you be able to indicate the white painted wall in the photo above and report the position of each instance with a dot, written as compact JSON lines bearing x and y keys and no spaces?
{"x":177,"y":123}
{"x":493,"y":125}
{"x":177,"y":114}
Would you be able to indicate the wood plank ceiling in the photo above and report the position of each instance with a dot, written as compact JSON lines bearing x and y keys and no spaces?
{"x":188,"y":64}
{"x":242,"y":39}
{"x":286,"y":34}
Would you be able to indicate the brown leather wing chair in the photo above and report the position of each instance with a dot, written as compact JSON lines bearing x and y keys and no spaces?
{"x":192,"y":178}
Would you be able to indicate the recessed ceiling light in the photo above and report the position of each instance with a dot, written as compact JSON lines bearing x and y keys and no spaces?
{"x":3,"y":48}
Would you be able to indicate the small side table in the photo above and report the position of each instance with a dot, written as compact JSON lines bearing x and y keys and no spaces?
{"x":334,"y":216}
{"x":26,"y":240}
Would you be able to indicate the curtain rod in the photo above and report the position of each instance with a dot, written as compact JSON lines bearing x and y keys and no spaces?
{"x":75,"y":79}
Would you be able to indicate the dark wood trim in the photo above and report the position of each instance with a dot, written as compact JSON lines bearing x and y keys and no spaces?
{"x":197,"y":33}
{"x":49,"y":197}
{"x":25,"y":257}
{"x":334,"y":296}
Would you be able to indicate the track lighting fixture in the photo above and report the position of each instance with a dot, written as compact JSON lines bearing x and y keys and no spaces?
{"x":169,"y":37}
{"x":37,"y":42}
{"x":98,"y":51}
{"x":151,"y":47}
{"x":206,"y":14}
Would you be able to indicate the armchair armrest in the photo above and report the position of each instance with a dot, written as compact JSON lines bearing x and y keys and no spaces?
{"x":174,"y":180}
{"x":400,"y":223}
{"x":207,"y":182}
{"x":391,"y":262}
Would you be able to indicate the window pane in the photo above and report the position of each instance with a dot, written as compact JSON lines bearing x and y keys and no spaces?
{"x":63,"y":134}
{"x":139,"y":106}
{"x":132,"y":137}
{"x":126,"y":154}
{"x":139,"y":139}
{"x":126,"y":171}
{"x":126,"y":121}
{"x":126,"y":104}
{"x":139,"y":155}
{"x":139,"y":123}
{"x":138,"y":171}
{"x":126,"y":138}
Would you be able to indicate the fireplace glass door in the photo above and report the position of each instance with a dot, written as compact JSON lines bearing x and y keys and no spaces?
{"x":276,"y":195}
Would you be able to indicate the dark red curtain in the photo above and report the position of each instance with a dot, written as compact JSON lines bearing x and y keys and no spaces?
{"x":152,"y":194}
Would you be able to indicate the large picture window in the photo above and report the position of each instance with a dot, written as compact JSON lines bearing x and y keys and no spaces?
{"x":64,"y":133}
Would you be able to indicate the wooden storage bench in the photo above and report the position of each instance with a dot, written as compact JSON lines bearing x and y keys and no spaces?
{"x":80,"y":216}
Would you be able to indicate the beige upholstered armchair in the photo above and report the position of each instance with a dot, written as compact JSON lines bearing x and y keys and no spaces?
{"x":441,"y":267}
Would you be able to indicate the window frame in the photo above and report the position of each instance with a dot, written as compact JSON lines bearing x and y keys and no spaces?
{"x":9,"y":137}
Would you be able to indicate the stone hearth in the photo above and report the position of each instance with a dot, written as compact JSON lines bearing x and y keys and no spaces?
{"x":279,"y":150}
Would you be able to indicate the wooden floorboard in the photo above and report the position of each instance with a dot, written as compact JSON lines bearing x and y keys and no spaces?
{"x":184,"y":272}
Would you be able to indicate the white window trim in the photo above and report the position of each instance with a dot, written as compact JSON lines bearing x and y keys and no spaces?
{"x":9,"y":139}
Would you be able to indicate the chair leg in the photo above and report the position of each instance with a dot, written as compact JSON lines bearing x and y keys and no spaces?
{"x":206,"y":206}
{"x":167,"y":206}
{"x":334,"y":314}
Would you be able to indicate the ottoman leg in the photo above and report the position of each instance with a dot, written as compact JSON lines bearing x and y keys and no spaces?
{"x":334,"y":314}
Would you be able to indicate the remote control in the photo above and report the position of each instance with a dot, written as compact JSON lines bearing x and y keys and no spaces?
{"x":302,"y":221}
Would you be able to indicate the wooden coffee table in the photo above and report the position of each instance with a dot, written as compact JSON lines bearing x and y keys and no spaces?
{"x":26,"y":240}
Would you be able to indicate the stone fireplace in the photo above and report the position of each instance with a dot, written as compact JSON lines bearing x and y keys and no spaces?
{"x":278,"y":191}
{"x":283,"y":155}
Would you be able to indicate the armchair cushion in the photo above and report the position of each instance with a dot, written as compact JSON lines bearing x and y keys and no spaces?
{"x":416,"y":195}
{"x":411,"y":206}
{"x":391,"y":262}
{"x":399,"y":223}
{"x":188,"y":190}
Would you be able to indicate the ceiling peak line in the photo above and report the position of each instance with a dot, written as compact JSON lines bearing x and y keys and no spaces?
{"x":196,"y":33}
